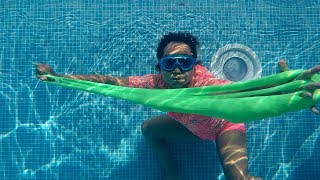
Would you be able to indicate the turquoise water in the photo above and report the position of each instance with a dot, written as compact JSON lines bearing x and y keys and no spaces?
{"x":48,"y":132}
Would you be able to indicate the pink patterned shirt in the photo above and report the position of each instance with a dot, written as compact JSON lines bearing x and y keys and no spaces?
{"x":205,"y":127}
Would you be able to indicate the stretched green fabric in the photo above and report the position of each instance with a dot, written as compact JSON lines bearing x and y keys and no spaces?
{"x":238,"y":102}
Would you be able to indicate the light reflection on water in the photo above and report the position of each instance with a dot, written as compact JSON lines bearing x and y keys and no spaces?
{"x":53,"y":133}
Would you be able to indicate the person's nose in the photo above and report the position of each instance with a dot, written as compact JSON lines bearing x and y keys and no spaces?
{"x":176,"y":70}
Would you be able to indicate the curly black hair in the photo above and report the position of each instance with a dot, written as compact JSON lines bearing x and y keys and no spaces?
{"x":182,"y":37}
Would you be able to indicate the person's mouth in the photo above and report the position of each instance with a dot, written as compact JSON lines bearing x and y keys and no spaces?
{"x":177,"y":79}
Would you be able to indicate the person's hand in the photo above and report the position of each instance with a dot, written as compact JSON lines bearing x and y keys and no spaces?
{"x":44,"y":69}
{"x":306,"y":75}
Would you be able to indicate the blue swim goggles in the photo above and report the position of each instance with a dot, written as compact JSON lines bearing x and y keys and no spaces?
{"x":182,"y":61}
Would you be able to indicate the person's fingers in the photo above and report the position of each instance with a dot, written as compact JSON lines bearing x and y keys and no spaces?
{"x":312,"y":86}
{"x":315,"y":110}
{"x":309,"y":73}
{"x":282,"y":65}
{"x":43,"y":78}
{"x":39,"y":69}
{"x":44,"y":69}
{"x":306,"y":95}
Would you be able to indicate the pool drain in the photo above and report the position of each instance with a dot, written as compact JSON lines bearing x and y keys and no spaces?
{"x":236,"y":62}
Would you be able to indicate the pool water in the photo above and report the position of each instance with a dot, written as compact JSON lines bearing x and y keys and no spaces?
{"x":48,"y":132}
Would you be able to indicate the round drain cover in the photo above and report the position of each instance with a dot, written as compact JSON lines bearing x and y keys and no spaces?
{"x":236,"y":62}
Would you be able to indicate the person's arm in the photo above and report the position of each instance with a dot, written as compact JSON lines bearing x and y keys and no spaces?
{"x":106,"y":79}
{"x":44,"y":69}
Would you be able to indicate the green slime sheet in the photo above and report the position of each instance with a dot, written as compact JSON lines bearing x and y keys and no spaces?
{"x":236,"y":102}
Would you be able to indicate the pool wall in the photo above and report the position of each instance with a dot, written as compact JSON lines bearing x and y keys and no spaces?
{"x":49,"y":132}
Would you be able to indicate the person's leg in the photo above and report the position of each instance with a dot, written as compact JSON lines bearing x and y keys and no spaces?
{"x":157,"y":131}
{"x":232,"y":150}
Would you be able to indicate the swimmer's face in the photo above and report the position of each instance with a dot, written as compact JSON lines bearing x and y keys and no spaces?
{"x":177,"y":78}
